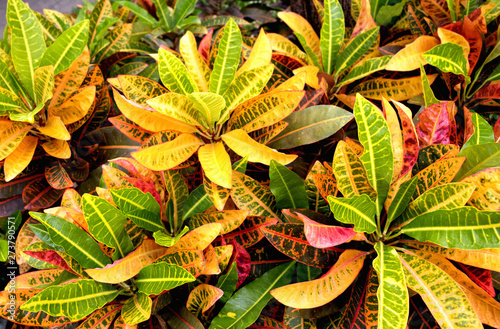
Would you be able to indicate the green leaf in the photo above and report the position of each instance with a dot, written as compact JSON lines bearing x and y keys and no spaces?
{"x":462,"y":228}
{"x":156,"y":278}
{"x":141,"y":13}
{"x":137,"y":309}
{"x":8,"y":80}
{"x":401,"y":199}
{"x":227,"y":60}
{"x":174,"y":74}
{"x":244,"y":307}
{"x":67,"y":47}
{"x":311,"y":125}
{"x":375,"y":136}
{"x":241,"y":165}
{"x":287,"y":187}
{"x":165,"y":14}
{"x":368,"y":67}
{"x":197,"y":202}
{"x":75,"y":241}
{"x":181,"y":10}
{"x":311,"y":56}
{"x":478,"y":158}
{"x":429,"y":97}
{"x":27,"y":43}
{"x":27,"y":117}
{"x":9,"y":102}
{"x":100,"y":13}
{"x":387,"y":14}
{"x":358,"y":210}
{"x":43,"y":234}
{"x":209,"y":105}
{"x":146,"y":219}
{"x":132,"y":199}
{"x":74,"y":300}
{"x":332,"y":34}
{"x":447,"y":196}
{"x":355,"y":50}
{"x":392,"y":294}
{"x":167,"y":240}
{"x":227,"y":283}
{"x":483,"y":133}
{"x":107,"y":225}
{"x":177,"y":196}
{"x":448,"y":57}
{"x":44,"y":84}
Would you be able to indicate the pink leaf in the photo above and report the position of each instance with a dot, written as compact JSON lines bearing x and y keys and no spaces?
{"x":242,"y":259}
{"x":325,"y":236}
{"x":436,"y":125}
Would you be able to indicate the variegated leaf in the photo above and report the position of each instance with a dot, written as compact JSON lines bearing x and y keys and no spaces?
{"x":202,"y":298}
{"x":357,"y":210}
{"x":174,"y":74}
{"x":321,"y":291}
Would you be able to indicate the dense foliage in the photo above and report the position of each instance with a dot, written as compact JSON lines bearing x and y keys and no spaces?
{"x":231,"y":164}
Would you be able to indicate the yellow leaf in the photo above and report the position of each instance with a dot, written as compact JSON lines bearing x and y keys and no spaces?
{"x":68,"y":81}
{"x":202,"y":298}
{"x":297,"y":82}
{"x":11,"y":135}
{"x":230,"y":219}
{"x":410,"y":57}
{"x":321,"y":291}
{"x":216,"y":163}
{"x":211,"y":262}
{"x":75,"y":107}
{"x":260,"y":55}
{"x":395,"y":89}
{"x":198,"y":239}
{"x":396,"y":137}
{"x":243,"y":145}
{"x":217,"y":194}
{"x":195,"y":64}
{"x":300,"y":25}
{"x":123,"y":269}
{"x":150,"y":120}
{"x":484,"y":258}
{"x":224,"y":254}
{"x":487,"y":193}
{"x":114,"y":178}
{"x":18,"y":160}
{"x":264,"y":110}
{"x":450,"y":36}
{"x":177,"y":106}
{"x":57,"y":148}
{"x":55,"y":128}
{"x":170,"y":154}
{"x":312,"y":75}
{"x":486,"y":307}
{"x":138,"y":89}
{"x":281,"y":44}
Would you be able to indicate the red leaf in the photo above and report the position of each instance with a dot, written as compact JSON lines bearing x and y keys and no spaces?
{"x":410,"y":142}
{"x":435,"y":126}
{"x":39,"y":194}
{"x":57,"y":177}
{"x":311,"y":98}
{"x":472,"y":35}
{"x":490,"y":91}
{"x":289,"y":62}
{"x":325,"y":236}
{"x":481,"y":277}
{"x":242,"y":259}
{"x":204,"y":47}
{"x":496,"y":130}
{"x":51,"y":257}
{"x":131,"y":130}
{"x":469,"y":126}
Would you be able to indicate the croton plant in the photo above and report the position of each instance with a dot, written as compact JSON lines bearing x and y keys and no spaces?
{"x":168,"y":168}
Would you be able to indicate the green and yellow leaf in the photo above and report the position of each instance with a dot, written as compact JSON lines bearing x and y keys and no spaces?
{"x":216,"y":163}
{"x":11,"y":136}
{"x":396,"y":89}
{"x":202,"y":298}
{"x":487,"y":193}
{"x":137,"y":309}
{"x":55,"y":128}
{"x":358,"y":210}
{"x":76,"y":107}
{"x":174,"y":74}
{"x":177,"y":106}
{"x":156,"y":278}
{"x":195,"y":64}
{"x":300,"y":25}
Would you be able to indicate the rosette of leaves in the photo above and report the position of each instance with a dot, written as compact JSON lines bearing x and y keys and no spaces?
{"x":407,"y":228}
{"x":455,"y":42}
{"x":203,"y":111}
{"x":48,"y":93}
{"x":338,"y":56}
{"x":96,"y":259}
{"x":111,"y":31}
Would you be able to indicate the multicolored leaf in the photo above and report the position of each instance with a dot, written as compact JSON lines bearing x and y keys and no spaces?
{"x":156,"y":278}
{"x":321,"y":291}
{"x":202,"y":298}
{"x":359,"y":210}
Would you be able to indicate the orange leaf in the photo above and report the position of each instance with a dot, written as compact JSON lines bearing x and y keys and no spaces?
{"x":55,"y":128}
{"x":321,"y":291}
{"x":18,"y":160}
{"x":114,"y":178}
{"x":410,"y":57}
{"x":230,"y":219}
{"x":58,"y":149}
{"x":198,"y":239}
{"x":202,"y":298}
{"x":487,"y":193}
{"x":211,"y":262}
{"x":11,"y":135}
{"x":123,"y":269}
{"x":75,"y":107}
